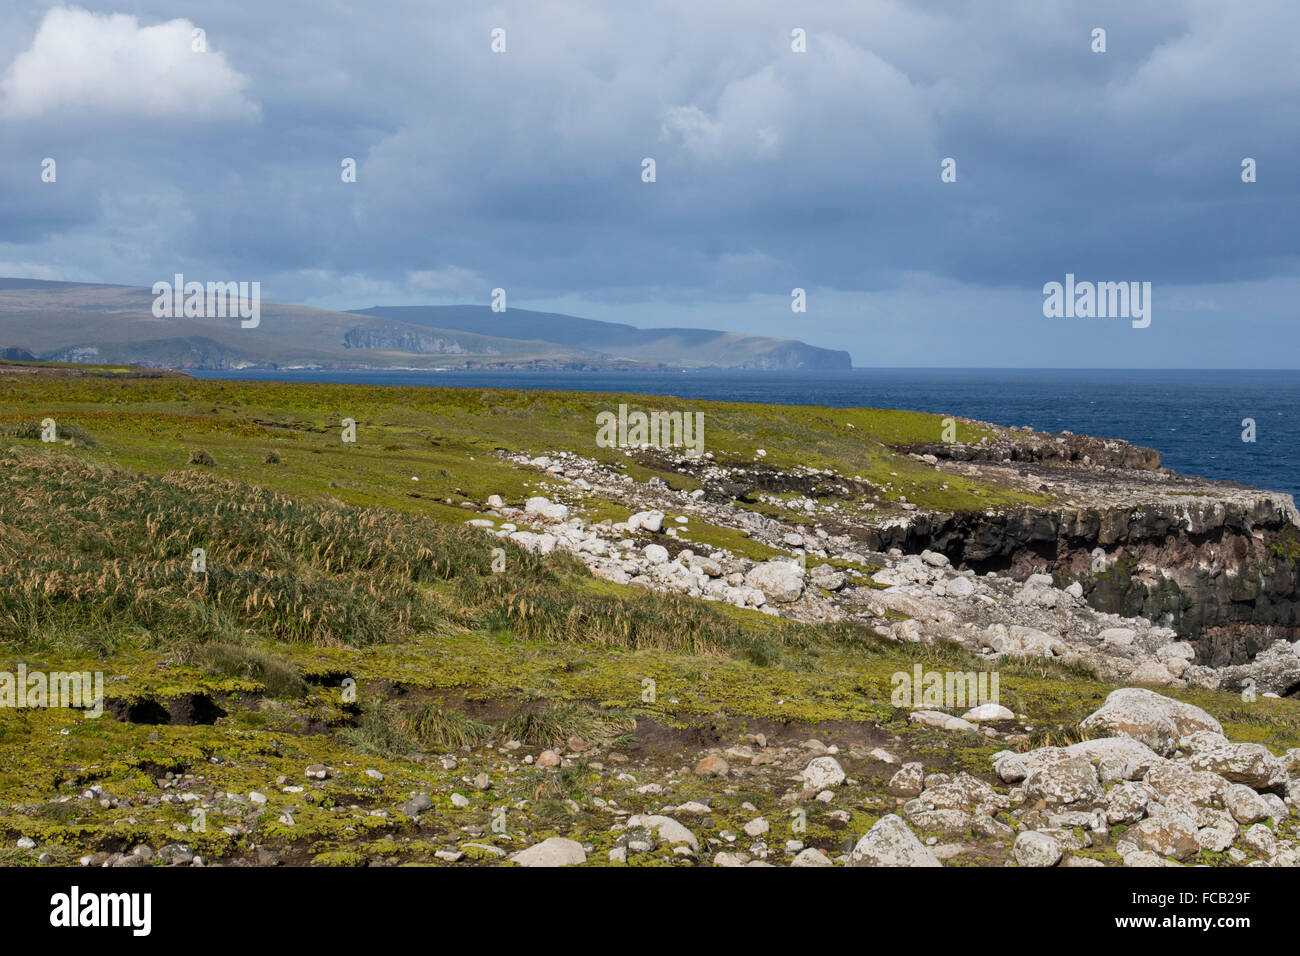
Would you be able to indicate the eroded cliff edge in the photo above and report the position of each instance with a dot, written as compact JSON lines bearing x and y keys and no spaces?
{"x":1115,"y":543}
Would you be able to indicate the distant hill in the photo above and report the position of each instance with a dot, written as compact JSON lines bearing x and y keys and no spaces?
{"x":84,"y":322}
{"x":668,"y":346}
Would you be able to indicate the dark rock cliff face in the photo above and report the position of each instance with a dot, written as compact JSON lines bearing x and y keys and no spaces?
{"x":1224,"y":574}
{"x":1218,"y":563}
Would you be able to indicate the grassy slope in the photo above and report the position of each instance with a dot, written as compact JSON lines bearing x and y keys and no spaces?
{"x":326,"y":567}
{"x":447,"y":436}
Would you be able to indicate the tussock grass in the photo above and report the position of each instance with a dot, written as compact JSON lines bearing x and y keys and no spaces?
{"x":1061,"y":735}
{"x":277,"y":675}
{"x":85,"y":547}
{"x":555,"y":723}
{"x":380,"y":731}
{"x":92,"y":555}
{"x":1042,"y":667}
{"x":30,"y":430}
{"x":436,"y":728}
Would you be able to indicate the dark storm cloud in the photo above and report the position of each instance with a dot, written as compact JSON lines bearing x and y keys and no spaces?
{"x":774,"y":169}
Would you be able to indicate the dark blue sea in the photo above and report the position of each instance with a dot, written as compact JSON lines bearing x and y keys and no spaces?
{"x":1193,"y":417}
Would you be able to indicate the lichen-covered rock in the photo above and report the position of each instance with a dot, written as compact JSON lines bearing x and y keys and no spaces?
{"x":1036,"y":849}
{"x":1151,"y":718}
{"x":822,"y":772}
{"x":1251,"y":764}
{"x":1070,"y":783}
{"x":651,"y":521}
{"x":1260,"y":839}
{"x":908,"y":782}
{"x":1169,"y":834}
{"x":1022,"y":641}
{"x":667,"y":829}
{"x":891,"y":843}
{"x":988,"y":713}
{"x":780,"y":581}
{"x":811,"y":857}
{"x":1245,"y":805}
{"x":1198,"y":787}
{"x":554,"y":851}
{"x":546,"y":509}
{"x":937,"y":718}
{"x":1127,"y":802}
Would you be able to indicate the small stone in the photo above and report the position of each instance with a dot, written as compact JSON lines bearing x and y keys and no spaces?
{"x":555,"y":851}
{"x":908,"y":781}
{"x":986,"y":713}
{"x":811,"y":857}
{"x":416,"y":805}
{"x":713,"y":766}
{"x":822,"y":772}
{"x":891,"y":843}
{"x":1260,"y":839}
{"x":1245,"y":805}
{"x":1036,"y":849}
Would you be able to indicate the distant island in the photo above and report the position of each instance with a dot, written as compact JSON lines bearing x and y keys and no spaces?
{"x":83,"y":322}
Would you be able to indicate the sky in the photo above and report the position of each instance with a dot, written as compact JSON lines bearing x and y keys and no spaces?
{"x":773,"y":169}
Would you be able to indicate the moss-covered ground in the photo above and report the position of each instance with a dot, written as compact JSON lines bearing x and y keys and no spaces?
{"x":345,"y":617}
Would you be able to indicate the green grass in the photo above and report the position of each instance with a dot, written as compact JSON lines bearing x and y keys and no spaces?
{"x":347,"y":617}
{"x":447,"y":437}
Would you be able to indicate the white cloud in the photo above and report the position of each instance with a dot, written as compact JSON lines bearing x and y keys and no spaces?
{"x":80,"y":62}
{"x":794,"y":101}
{"x":700,"y":133}
{"x":1226,"y":53}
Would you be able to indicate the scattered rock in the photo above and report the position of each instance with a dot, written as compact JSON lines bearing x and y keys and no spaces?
{"x":1036,"y":849}
{"x":891,"y":843}
{"x":555,"y":851}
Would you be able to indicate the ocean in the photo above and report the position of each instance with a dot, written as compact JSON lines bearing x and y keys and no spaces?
{"x":1193,"y":416}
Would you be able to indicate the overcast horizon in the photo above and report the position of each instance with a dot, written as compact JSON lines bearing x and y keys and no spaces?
{"x":774,"y":169}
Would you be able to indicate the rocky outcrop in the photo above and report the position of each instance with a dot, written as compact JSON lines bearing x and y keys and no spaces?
{"x":1195,"y":793}
{"x":1147,"y":577}
{"x":398,"y":339}
{"x":1026,"y":445}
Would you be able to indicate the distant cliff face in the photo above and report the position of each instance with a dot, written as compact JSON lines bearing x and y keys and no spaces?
{"x":614,"y":342}
{"x":797,"y":355}
{"x":85,"y":323}
{"x":405,"y":340}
